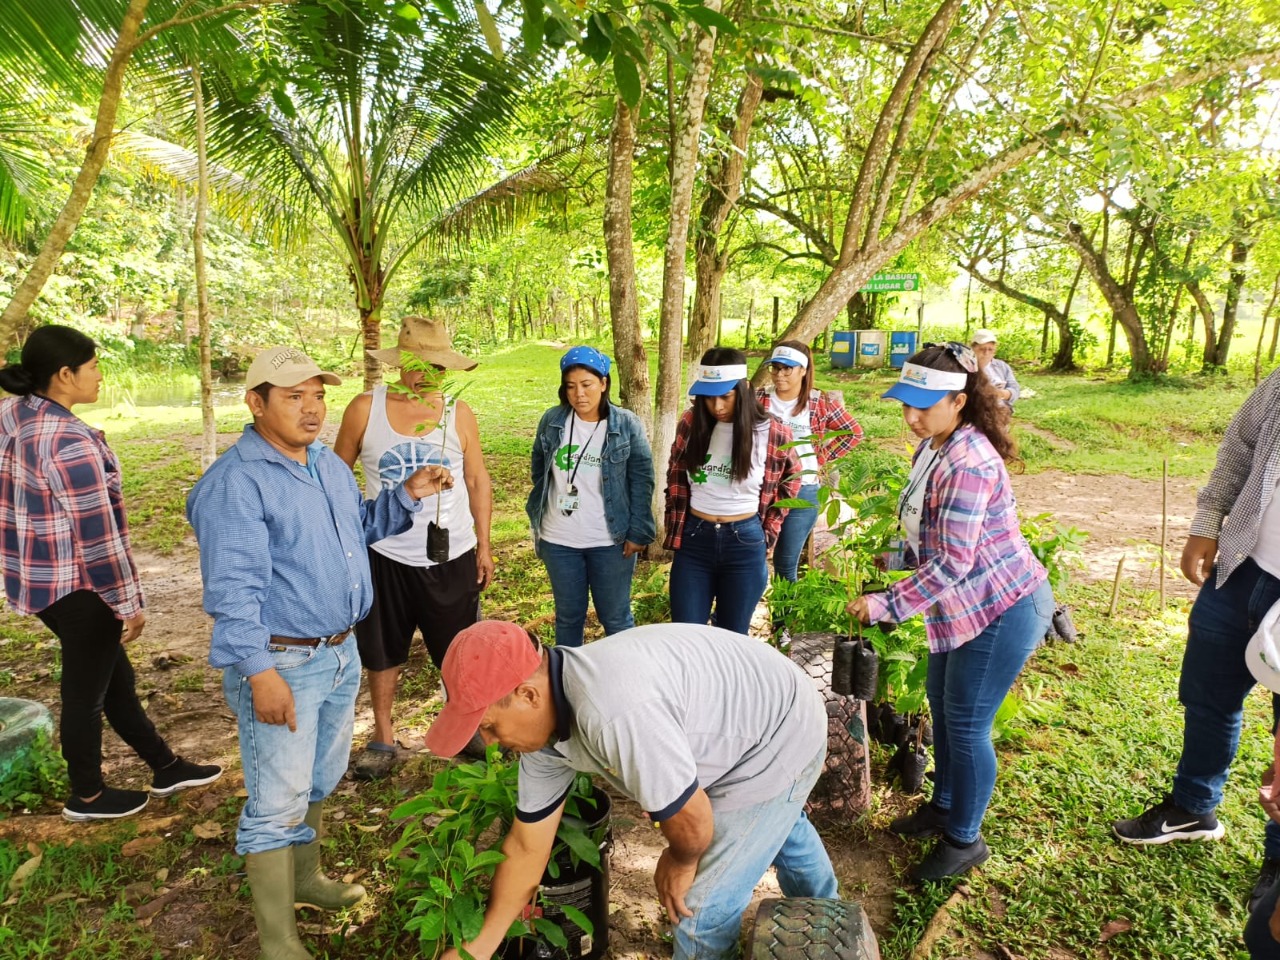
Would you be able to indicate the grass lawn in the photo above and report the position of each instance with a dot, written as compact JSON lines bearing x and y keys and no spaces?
{"x":1101,"y":742}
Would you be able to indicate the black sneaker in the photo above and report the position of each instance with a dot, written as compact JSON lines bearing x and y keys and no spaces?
{"x":925,"y":821}
{"x":181,"y":775}
{"x":947,"y":859}
{"x":1267,"y":878}
{"x":1167,"y":821}
{"x":110,"y":804}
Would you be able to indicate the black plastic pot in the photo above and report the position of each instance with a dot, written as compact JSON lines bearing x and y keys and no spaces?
{"x":911,"y":762}
{"x":581,"y":886}
{"x":437,"y":543}
{"x":842,"y":668}
{"x":866,"y":671}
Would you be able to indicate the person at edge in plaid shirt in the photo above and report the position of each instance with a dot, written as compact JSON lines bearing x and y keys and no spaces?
{"x":812,"y":419}
{"x":985,"y":597}
{"x":283,"y":534}
{"x":731,"y":463}
{"x":1233,"y":555}
{"x":64,"y":547}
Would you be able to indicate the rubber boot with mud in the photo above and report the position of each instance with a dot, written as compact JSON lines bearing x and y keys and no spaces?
{"x":271,"y":882}
{"x":311,"y":887}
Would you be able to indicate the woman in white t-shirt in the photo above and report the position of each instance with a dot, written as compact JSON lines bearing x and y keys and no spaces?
{"x":823,"y":431}
{"x":590,"y":508}
{"x":730,"y":464}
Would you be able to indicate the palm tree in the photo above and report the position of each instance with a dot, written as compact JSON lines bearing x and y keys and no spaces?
{"x":375,"y":123}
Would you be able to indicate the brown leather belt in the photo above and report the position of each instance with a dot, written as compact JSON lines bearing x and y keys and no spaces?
{"x":332,"y":641}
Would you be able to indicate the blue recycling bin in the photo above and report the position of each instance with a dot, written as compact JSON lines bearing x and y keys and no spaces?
{"x":902,"y":344}
{"x":842,"y":348}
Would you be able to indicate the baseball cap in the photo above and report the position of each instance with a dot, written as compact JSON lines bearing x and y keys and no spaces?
{"x":789,"y":357}
{"x":983,"y":336}
{"x":1262,"y":655}
{"x":716,"y":381}
{"x":588,"y":357}
{"x":485,"y":662}
{"x":285,"y":367}
{"x":922,"y":387}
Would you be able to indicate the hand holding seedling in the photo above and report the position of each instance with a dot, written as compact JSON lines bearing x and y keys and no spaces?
{"x":427,"y":481}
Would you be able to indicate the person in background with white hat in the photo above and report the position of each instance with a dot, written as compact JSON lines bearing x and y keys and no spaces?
{"x":392,"y":431}
{"x":731,"y":463}
{"x":985,"y":597}
{"x":813,"y":420}
{"x":283,"y":535}
{"x":1233,"y":554}
{"x":590,"y":508}
{"x":998,"y":372}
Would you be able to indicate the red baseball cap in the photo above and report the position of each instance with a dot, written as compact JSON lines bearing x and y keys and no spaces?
{"x":485,"y":662}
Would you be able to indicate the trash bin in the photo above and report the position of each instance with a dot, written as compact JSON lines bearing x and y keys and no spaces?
{"x":902,"y":344}
{"x":842,"y":348}
{"x":871,"y":347}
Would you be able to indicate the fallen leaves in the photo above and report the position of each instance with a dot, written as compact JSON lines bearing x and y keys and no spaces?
{"x":1113,"y":927}
{"x":208,"y":830}
{"x":25,"y":871}
{"x":140,"y":845}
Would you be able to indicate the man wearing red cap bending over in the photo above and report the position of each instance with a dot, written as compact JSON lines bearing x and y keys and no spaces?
{"x":717,"y":736}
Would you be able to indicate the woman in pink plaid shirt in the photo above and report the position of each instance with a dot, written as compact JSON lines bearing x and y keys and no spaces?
{"x":985,"y":598}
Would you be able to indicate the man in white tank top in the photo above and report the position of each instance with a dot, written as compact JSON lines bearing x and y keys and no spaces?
{"x":395,"y":429}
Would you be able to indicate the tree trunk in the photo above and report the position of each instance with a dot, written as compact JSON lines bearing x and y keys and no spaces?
{"x":1210,"y":324}
{"x":1123,"y":309}
{"x":371,"y":334}
{"x":95,"y":157}
{"x":209,"y":441}
{"x":624,"y":306}
{"x":724,"y":186}
{"x":1050,"y":311}
{"x":1231,"y":302}
{"x":684,"y":159}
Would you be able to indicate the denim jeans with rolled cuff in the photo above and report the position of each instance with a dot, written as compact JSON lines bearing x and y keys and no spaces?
{"x":1214,"y":682}
{"x":286,"y":770}
{"x":721,"y":565}
{"x":966,"y":687}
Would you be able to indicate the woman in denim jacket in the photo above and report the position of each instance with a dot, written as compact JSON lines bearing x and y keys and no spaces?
{"x":591,"y":504}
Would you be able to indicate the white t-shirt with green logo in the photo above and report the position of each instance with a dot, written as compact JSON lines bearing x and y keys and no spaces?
{"x":577,"y":519}
{"x":801,"y":432}
{"x":712,"y":489}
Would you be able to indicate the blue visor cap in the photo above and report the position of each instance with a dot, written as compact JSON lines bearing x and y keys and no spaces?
{"x":917,"y":397}
{"x":922,"y":387}
{"x":588,"y":357}
{"x":717,"y":380}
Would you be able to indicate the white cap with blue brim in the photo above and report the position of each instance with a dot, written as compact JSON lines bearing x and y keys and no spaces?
{"x":922,"y":387}
{"x":789,"y":357}
{"x":716,"y":381}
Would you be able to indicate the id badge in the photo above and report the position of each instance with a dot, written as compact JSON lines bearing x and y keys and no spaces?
{"x":895,"y":558}
{"x":567,"y":502}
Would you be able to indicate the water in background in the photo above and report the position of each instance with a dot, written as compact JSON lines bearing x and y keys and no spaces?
{"x":179,"y":392}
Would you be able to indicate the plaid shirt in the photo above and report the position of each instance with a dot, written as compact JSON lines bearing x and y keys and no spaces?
{"x":974,"y":563}
{"x":1230,"y":507}
{"x":62,"y":524}
{"x":781,"y":481}
{"x":825,"y":416}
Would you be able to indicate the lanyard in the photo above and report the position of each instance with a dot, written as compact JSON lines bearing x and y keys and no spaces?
{"x":574,"y":472}
{"x":920,"y":478}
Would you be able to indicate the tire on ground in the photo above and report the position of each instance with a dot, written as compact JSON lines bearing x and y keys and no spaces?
{"x":21,"y":723}
{"x":804,"y":928}
{"x":844,"y":789}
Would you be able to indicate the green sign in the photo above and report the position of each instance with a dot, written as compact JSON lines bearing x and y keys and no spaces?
{"x":892,"y":283}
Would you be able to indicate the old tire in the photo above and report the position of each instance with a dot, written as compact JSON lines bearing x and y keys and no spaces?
{"x":844,"y":789}
{"x":804,"y":928}
{"x":21,"y":724}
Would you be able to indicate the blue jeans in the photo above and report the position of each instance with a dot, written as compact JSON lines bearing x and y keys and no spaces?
{"x":1214,"y":683}
{"x":1257,"y":931}
{"x":796,"y":527}
{"x":720,"y":563}
{"x":602,"y":570}
{"x":286,"y":770}
{"x":746,"y":842}
{"x":966,"y":687}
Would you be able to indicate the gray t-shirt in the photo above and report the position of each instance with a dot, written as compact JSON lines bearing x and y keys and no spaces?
{"x":664,"y":709}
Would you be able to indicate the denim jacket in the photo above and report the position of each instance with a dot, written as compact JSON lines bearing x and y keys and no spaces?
{"x":626,"y":474}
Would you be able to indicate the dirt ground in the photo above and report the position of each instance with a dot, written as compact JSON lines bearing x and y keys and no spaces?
{"x":1121,"y":516}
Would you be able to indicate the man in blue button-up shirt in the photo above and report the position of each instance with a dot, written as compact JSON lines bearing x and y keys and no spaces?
{"x":283,"y":532}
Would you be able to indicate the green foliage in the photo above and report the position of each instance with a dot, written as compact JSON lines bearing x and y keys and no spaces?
{"x":37,"y":775}
{"x":1057,"y":546}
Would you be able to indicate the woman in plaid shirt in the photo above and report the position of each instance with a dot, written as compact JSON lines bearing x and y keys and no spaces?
{"x":730,"y":464}
{"x":64,"y":547}
{"x":985,"y":598}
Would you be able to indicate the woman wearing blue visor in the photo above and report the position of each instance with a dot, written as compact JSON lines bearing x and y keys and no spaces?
{"x":590,"y":507}
{"x":730,"y":464}
{"x":985,"y":598}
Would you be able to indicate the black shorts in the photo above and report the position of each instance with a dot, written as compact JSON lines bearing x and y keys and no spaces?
{"x":439,"y":600}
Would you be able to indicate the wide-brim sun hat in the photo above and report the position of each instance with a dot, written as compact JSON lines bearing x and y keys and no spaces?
{"x":715,"y":380}
{"x":788,"y":357}
{"x":922,"y":387}
{"x":429,"y":341}
{"x":588,"y":357}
